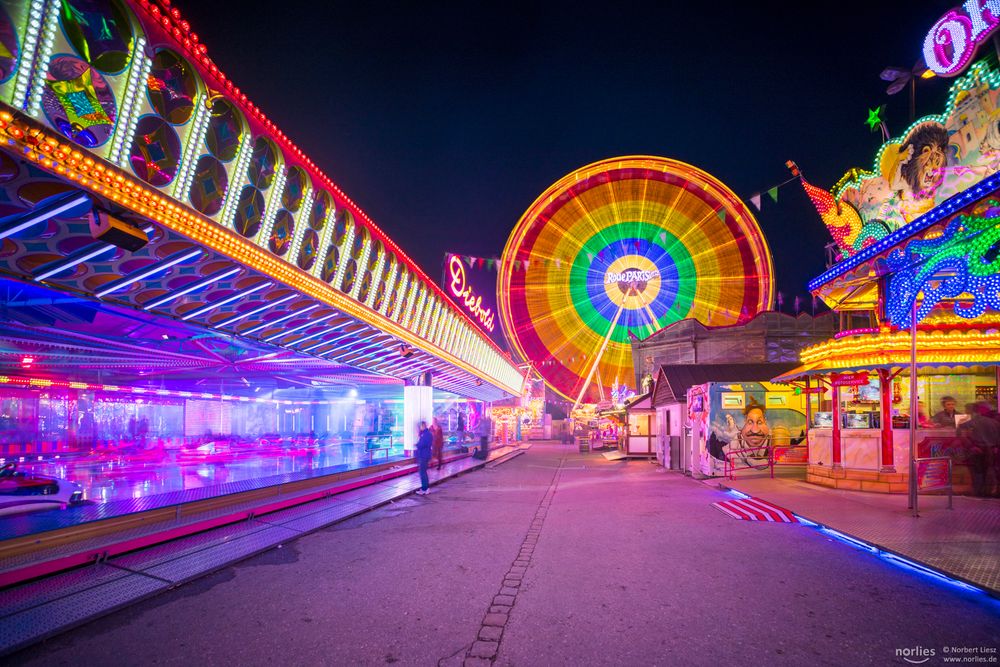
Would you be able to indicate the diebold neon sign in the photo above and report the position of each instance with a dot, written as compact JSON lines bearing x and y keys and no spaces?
{"x":953,"y":40}
{"x":463,"y":292}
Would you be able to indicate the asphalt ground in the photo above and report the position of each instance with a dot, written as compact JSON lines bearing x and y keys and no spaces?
{"x":554,"y":558}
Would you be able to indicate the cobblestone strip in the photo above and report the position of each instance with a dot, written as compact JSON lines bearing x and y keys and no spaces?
{"x":484,"y":650}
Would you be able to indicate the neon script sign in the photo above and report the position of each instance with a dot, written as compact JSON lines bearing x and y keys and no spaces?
{"x":953,"y":40}
{"x":463,"y":292}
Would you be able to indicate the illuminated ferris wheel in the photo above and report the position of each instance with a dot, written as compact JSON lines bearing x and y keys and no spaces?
{"x":618,"y":250}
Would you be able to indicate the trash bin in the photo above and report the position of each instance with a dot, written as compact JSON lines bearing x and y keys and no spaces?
{"x":584,"y":442}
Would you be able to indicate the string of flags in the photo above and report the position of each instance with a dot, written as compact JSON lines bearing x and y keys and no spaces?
{"x":493,"y":263}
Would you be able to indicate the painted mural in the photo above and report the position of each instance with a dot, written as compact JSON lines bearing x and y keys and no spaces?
{"x":748,"y":422}
{"x":934,"y":159}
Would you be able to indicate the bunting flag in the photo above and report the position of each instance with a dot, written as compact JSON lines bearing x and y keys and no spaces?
{"x":773,"y":193}
{"x":755,"y":200}
{"x":722,"y":214}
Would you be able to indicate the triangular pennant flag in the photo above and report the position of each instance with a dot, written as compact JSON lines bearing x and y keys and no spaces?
{"x":663,"y":237}
{"x":558,"y":263}
{"x":590,"y":257}
{"x":468,"y":260}
{"x":517,"y":265}
{"x":773,"y":192}
{"x":722,"y":214}
{"x":755,"y":200}
{"x":480,"y":261}
{"x":526,"y":263}
{"x":490,"y":263}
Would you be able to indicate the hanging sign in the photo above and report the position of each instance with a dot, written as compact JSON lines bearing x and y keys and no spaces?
{"x":953,"y":40}
{"x":461,"y":290}
{"x":849,"y":379}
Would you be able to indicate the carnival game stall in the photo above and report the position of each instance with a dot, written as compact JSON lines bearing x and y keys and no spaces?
{"x":742,"y":427}
{"x":917,"y":275}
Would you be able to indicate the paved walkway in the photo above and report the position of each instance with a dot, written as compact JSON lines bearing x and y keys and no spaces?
{"x":554,"y":558}
{"x":963,"y":542}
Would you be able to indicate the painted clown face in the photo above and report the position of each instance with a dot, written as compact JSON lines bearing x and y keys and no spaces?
{"x":755,"y":430}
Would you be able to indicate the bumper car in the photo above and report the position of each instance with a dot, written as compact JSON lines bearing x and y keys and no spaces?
{"x":27,"y":492}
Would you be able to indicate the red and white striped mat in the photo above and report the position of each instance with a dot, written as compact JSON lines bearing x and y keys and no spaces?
{"x":755,"y":509}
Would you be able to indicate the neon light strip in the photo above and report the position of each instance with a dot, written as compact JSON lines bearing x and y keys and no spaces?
{"x":42,"y":59}
{"x":284,"y":318}
{"x":298,"y":313}
{"x":146,"y":273}
{"x":197,"y":285}
{"x":338,"y":279}
{"x":953,"y":204}
{"x":362,"y":269}
{"x":182,"y":188}
{"x":121,"y":140}
{"x":236,"y":183}
{"x":259,"y":309}
{"x":35,"y":15}
{"x":70,"y":263}
{"x":271,"y":208}
{"x":229,"y":299}
{"x":48,"y":212}
{"x":301,"y":224}
{"x":310,"y":323}
{"x":312,"y":336}
{"x":324,"y":241}
{"x":44,"y":383}
{"x":332,"y":340}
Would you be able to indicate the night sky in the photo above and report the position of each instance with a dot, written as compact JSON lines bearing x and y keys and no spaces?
{"x":444,"y":121}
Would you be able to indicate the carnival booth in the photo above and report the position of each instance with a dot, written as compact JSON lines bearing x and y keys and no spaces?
{"x":916,"y":281}
{"x":639,"y":436}
{"x":742,"y":427}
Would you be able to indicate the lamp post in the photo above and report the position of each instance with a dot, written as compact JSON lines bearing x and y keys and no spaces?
{"x":899,"y":78}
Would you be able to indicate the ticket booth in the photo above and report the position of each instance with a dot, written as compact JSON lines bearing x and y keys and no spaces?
{"x":640,"y":422}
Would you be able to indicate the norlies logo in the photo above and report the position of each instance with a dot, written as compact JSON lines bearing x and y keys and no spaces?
{"x":917,"y":655}
{"x":631,"y":276}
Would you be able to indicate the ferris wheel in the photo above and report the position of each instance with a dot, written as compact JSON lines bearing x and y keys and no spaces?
{"x":617,"y":250}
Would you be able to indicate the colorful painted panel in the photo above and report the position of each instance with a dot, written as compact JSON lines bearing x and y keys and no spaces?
{"x":9,"y":49}
{"x":249,"y":211}
{"x":100,"y":32}
{"x":208,"y":188}
{"x":281,"y":233}
{"x":934,"y":159}
{"x":295,"y":186}
{"x":78,"y":102}
{"x":155,"y":151}
{"x":321,"y":208}
{"x":263,"y":163}
{"x":307,"y":253}
{"x":225,"y":130}
{"x":172,"y":87}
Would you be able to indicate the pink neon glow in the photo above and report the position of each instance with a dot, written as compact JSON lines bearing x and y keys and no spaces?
{"x":953,"y":40}
{"x":460,"y":288}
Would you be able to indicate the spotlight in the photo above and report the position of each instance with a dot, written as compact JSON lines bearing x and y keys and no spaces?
{"x":106,"y":227}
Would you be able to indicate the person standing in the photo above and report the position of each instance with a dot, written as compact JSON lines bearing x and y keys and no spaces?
{"x":461,"y":427}
{"x":437,"y":441}
{"x":947,"y":415}
{"x":424,"y":443}
{"x":485,"y":433}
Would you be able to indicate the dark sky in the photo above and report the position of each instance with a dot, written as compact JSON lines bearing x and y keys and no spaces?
{"x":444,"y":121}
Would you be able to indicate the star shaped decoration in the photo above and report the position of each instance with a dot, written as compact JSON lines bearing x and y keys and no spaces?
{"x":875,"y":117}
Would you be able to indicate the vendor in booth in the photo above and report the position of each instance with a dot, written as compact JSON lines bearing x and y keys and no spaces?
{"x":946,"y":418}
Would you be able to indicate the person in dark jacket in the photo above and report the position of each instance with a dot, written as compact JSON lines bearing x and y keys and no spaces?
{"x":424,"y":442}
{"x":437,"y":442}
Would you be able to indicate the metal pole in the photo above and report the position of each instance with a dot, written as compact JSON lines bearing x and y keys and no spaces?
{"x":913,"y":408}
